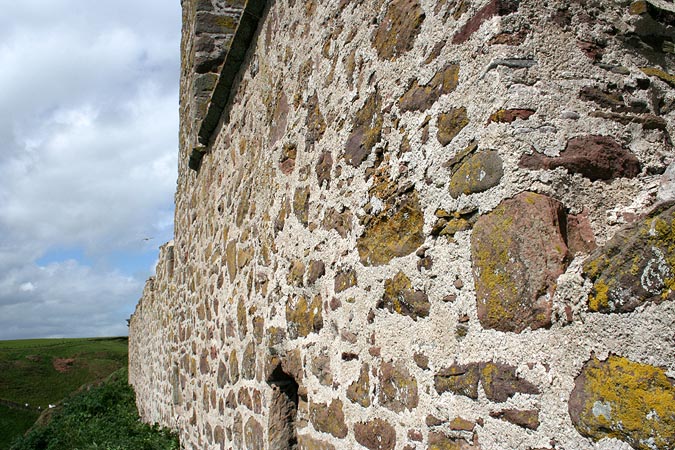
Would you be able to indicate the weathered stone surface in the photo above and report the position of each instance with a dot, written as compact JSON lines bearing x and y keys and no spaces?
{"x":394,"y":232}
{"x":344,"y":280}
{"x":626,"y":400}
{"x":398,"y":388}
{"x":258,"y":328}
{"x":376,"y":434}
{"x":450,"y":124}
{"x":248,"y":362}
{"x":204,"y":363}
{"x":420,"y":98}
{"x":461,"y":424}
{"x":580,"y":237}
{"x":648,"y":121}
{"x":421,"y":360}
{"x":636,"y":266}
{"x":595,"y":157}
{"x":510,"y":115}
{"x":303,"y":317}
{"x":518,"y":251}
{"x":493,"y":8}
{"x":609,"y":99}
{"x":316,"y":270}
{"x":449,"y":223}
{"x":296,"y":273}
{"x":242,"y":318}
{"x":315,"y":123}
{"x":340,"y":221}
{"x":526,"y":418}
{"x":279,"y":118}
{"x":223,"y":377}
{"x":309,"y":443}
{"x":500,"y":382}
{"x":231,"y":259}
{"x":244,"y":398}
{"x":238,"y":431}
{"x":234,"y":367}
{"x":439,"y":441}
{"x":658,"y":73}
{"x":215,"y":23}
{"x":399,"y":297}
{"x":366,"y":131}
{"x":253,"y":434}
{"x":359,"y":390}
{"x":219,"y":436}
{"x":301,"y":204}
{"x":321,"y":369}
{"x":328,"y":418}
{"x":666,"y":192}
{"x":477,"y":173}
{"x":323,"y":168}
{"x":287,"y":161}
{"x":459,"y":379}
{"x":401,"y":24}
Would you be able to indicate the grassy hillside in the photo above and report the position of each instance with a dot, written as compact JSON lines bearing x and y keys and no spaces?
{"x":41,"y":372}
{"x":101,"y":417}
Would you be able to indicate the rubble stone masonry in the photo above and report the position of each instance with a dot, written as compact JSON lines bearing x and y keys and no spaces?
{"x":418,"y":225}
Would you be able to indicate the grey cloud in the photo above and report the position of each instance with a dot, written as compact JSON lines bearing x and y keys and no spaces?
{"x":88,"y":144}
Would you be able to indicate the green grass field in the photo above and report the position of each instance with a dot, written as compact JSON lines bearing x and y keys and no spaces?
{"x":39,"y":372}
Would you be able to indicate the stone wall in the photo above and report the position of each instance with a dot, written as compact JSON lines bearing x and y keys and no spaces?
{"x":419,"y":225}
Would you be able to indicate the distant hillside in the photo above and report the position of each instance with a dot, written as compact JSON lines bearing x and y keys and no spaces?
{"x":41,"y":372}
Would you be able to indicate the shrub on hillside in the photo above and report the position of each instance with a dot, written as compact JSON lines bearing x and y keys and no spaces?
{"x":102,"y":417}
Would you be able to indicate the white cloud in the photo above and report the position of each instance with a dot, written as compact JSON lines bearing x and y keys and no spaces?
{"x":73,"y":300}
{"x":88,"y":145}
{"x":27,"y":287}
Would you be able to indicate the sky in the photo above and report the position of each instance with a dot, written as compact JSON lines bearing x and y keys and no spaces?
{"x":88,"y":148}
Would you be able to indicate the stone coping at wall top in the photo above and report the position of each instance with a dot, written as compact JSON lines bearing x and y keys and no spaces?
{"x":246,"y":30}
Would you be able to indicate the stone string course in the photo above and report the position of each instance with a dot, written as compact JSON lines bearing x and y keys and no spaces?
{"x":421,"y":225}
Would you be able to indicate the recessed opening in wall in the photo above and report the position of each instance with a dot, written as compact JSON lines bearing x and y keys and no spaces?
{"x":175,"y":385}
{"x":283,"y":411}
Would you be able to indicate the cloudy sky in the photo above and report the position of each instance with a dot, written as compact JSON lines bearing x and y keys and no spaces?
{"x":88,"y":145}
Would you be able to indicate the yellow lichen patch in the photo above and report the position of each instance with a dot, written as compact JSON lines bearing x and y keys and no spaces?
{"x":625,"y":400}
{"x":395,"y":232}
{"x":304,"y":317}
{"x":635,"y":267}
{"x":599,"y":301}
{"x":517,"y":254}
{"x":399,"y":297}
{"x":638,"y":8}
{"x":665,"y":76}
{"x":401,"y":24}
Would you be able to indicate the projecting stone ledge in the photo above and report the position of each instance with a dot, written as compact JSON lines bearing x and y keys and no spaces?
{"x":241,"y":41}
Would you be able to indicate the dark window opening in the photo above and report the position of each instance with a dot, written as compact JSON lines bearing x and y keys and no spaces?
{"x":283,"y":411}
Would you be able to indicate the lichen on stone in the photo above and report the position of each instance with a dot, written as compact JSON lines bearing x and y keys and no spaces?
{"x":450,"y":124}
{"x":366,"y":131}
{"x":397,"y":31}
{"x":401,"y":298}
{"x":518,"y":251}
{"x":626,"y":400}
{"x":304,"y":317}
{"x":395,"y":231}
{"x":636,"y":266}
